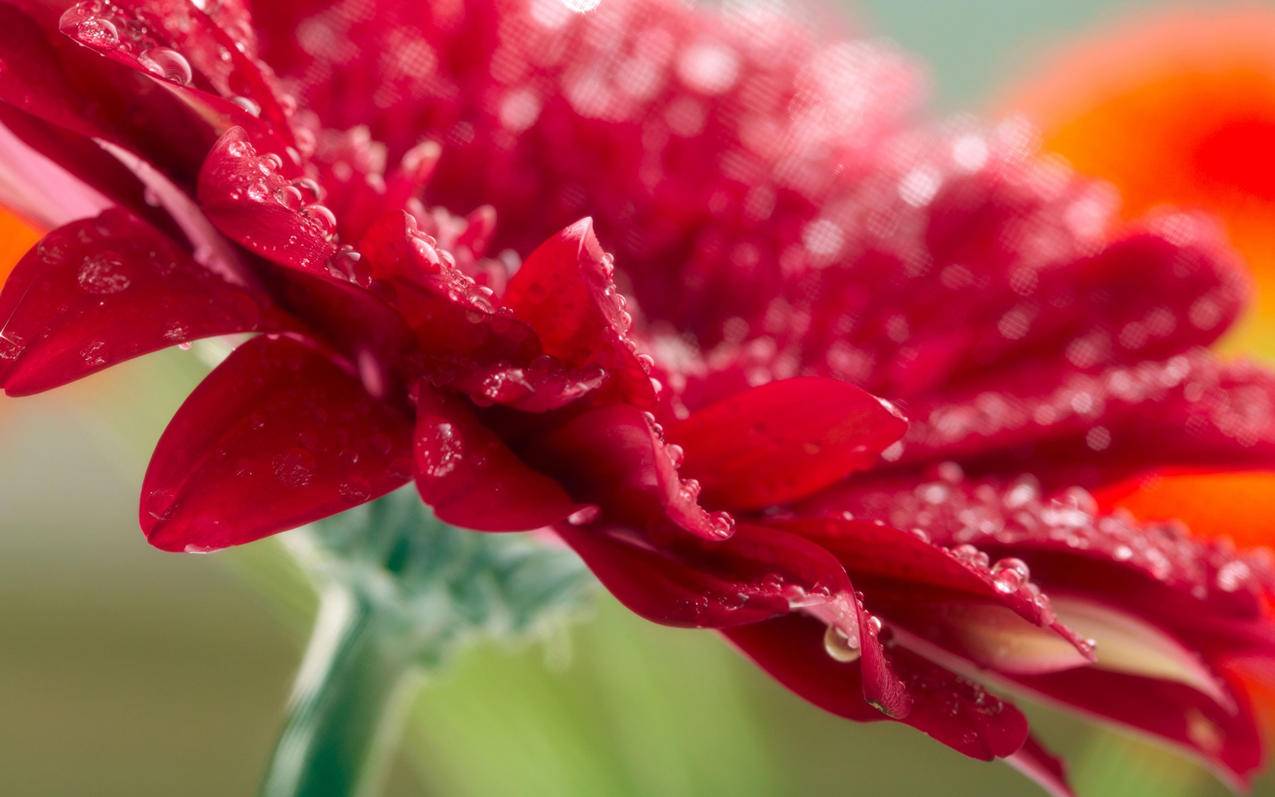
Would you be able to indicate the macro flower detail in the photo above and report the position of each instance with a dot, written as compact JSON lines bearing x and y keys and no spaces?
{"x":714,"y":449}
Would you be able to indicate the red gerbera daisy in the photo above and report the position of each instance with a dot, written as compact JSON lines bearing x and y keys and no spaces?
{"x":718,"y":463}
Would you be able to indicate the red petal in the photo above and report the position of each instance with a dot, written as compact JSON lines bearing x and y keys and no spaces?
{"x":96,"y":292}
{"x":784,"y":440}
{"x":244,"y":196}
{"x":472,"y":479}
{"x":954,"y":711}
{"x":565,"y":292}
{"x":276,"y":437}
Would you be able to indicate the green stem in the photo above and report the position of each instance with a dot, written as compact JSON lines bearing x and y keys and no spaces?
{"x":347,"y":703}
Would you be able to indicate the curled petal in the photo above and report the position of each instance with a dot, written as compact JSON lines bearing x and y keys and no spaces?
{"x":277,"y":436}
{"x":99,"y":291}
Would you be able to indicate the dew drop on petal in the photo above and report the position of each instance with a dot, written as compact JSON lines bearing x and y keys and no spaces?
{"x":585,"y":516}
{"x":322,"y":216}
{"x":249,"y":106}
{"x":839,"y":646}
{"x":1009,"y":575}
{"x":167,"y":63}
{"x":98,"y":32}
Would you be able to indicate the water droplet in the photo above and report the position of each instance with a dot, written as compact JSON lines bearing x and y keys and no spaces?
{"x":167,"y":63}
{"x":322,"y":216}
{"x":585,"y":516}
{"x":839,"y":646}
{"x":289,"y":197}
{"x":310,"y":190}
{"x":1008,"y":575}
{"x":98,"y":32}
{"x":677,"y":454}
{"x":249,"y":106}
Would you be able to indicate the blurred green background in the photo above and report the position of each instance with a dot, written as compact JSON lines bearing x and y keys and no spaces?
{"x":126,"y":671}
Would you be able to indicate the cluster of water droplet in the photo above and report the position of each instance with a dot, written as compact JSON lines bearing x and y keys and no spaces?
{"x":1017,"y":520}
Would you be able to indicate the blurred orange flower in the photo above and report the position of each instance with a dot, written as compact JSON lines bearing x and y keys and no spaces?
{"x":1179,"y":109}
{"x":16,"y":237}
{"x":1176,"y":108}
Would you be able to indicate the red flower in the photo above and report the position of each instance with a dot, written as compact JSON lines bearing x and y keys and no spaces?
{"x":790,"y":247}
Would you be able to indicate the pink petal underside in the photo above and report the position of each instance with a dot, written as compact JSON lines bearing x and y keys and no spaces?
{"x":1206,"y":594}
{"x":784,"y":440}
{"x":50,"y":177}
{"x":992,"y":613}
{"x":952,"y":710}
{"x":676,"y":580}
{"x":471,"y":478}
{"x":276,"y":437}
{"x":96,"y":292}
{"x":245,"y":196}
{"x":1047,"y":770}
{"x":1228,"y":739}
{"x":565,"y":292}
{"x":616,"y":457}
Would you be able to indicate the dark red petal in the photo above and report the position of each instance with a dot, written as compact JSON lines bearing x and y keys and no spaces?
{"x":951,"y":709}
{"x":244,"y":195}
{"x":1046,"y":769}
{"x":615,"y":457}
{"x":565,"y":292}
{"x":756,"y":575}
{"x":471,"y":478}
{"x":784,"y":440}
{"x":276,"y":437}
{"x":96,"y":292}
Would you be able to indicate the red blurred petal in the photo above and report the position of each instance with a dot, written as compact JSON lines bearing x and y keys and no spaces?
{"x":784,"y":440}
{"x":471,"y":478}
{"x":277,"y":436}
{"x":96,"y":292}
